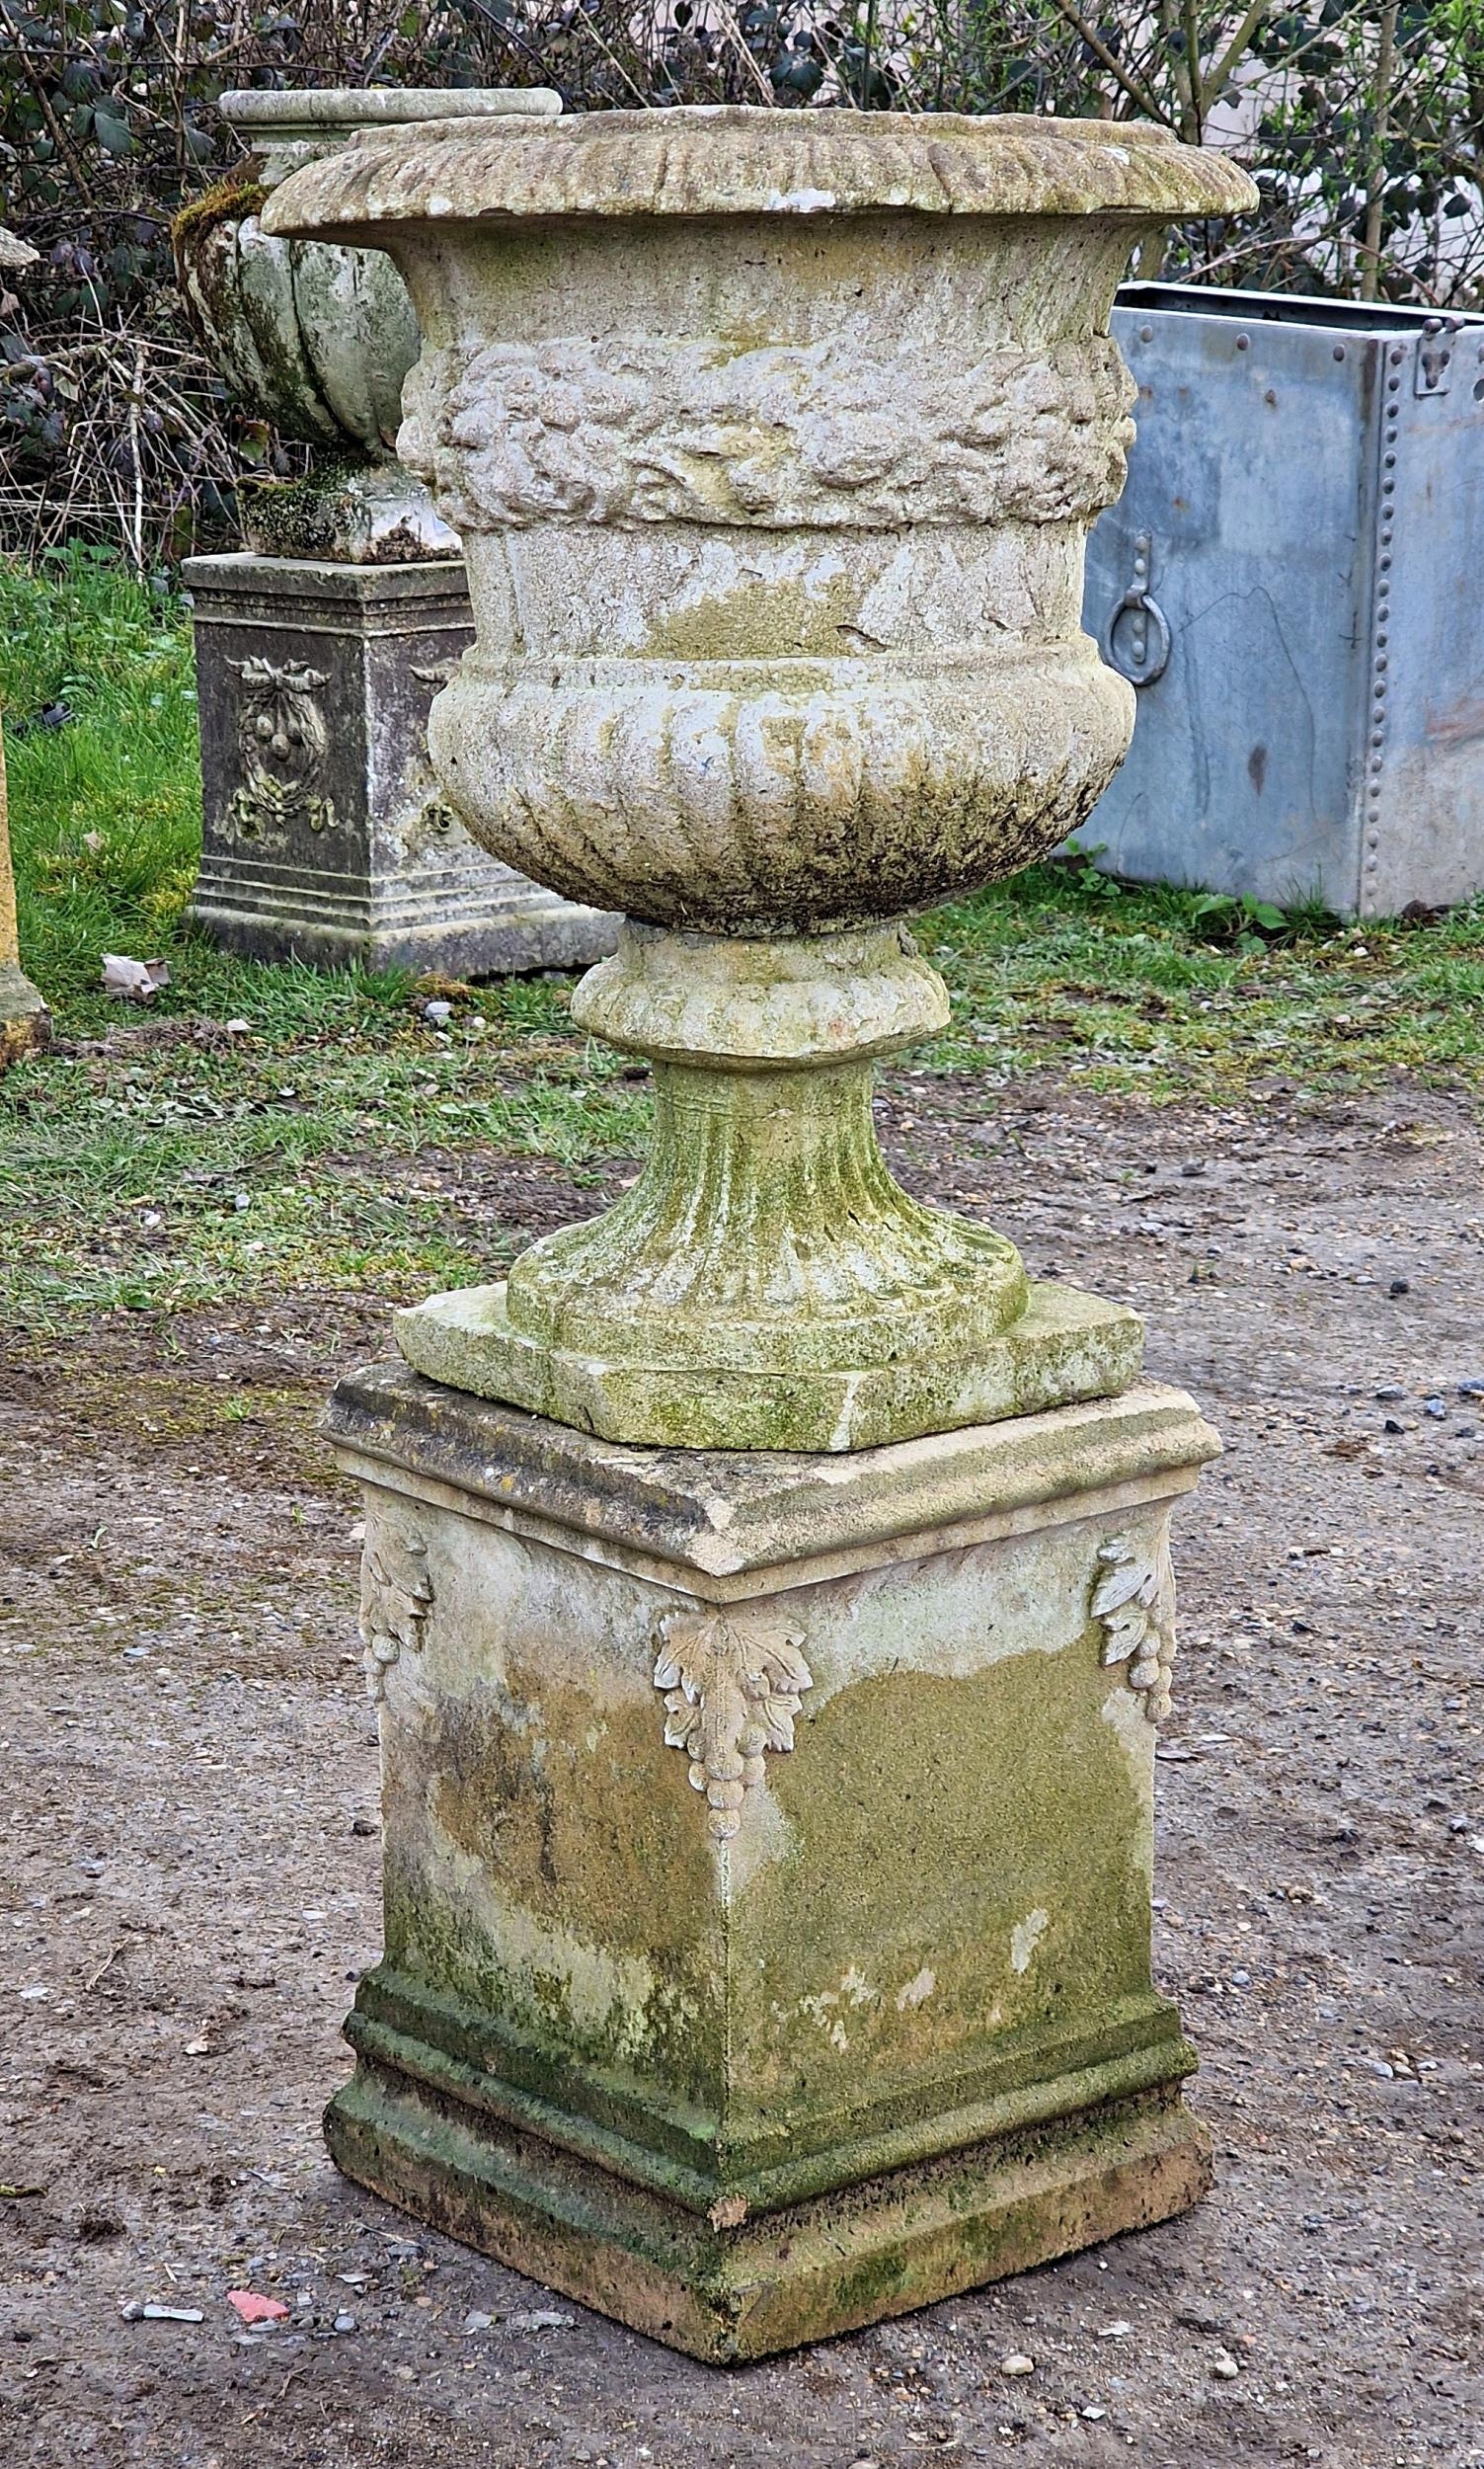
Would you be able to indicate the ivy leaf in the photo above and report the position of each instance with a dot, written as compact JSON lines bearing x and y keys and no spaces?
{"x":113,"y":134}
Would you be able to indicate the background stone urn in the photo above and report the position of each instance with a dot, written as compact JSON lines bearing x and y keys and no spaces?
{"x":773,"y":441}
{"x":319,"y":650}
{"x":319,"y":340}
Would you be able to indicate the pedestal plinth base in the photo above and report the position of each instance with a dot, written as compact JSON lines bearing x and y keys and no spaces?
{"x":768,"y":1845}
{"x":728,"y":2294}
{"x":1066,"y":1345}
{"x":326,"y":838}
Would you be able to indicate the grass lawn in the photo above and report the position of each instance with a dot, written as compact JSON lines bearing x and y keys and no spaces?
{"x":158,"y":1158}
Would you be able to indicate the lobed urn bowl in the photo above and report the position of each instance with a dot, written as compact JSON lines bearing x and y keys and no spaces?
{"x":319,"y":340}
{"x":773,"y":441}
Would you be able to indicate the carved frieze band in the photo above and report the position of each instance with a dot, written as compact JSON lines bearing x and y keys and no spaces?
{"x":396,"y":1598}
{"x":733,"y":1683}
{"x":1134,"y":1604}
{"x":659,"y":431}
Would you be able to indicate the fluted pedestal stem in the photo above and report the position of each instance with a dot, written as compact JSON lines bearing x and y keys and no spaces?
{"x":767,"y":1282}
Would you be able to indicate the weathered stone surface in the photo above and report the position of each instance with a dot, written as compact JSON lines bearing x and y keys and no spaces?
{"x":927,"y":2230}
{"x":1064,"y":1345}
{"x":326,"y":837}
{"x":631,"y":431}
{"x":727,"y":1519}
{"x":817,"y":166}
{"x":25,"y":1022}
{"x":773,"y":440}
{"x":768,"y":1943}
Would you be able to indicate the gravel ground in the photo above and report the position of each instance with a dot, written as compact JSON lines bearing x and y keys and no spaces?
{"x":193,"y":1875}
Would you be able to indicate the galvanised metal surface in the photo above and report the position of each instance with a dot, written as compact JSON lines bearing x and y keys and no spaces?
{"x":1294,"y":579}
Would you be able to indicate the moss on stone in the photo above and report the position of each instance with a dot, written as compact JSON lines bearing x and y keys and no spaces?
{"x":227,"y":200}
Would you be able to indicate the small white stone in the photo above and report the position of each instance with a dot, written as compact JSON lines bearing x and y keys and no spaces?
{"x":800,"y":201}
{"x":1017,"y":2363}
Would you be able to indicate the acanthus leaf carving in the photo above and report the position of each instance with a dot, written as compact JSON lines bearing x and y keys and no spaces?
{"x":732,"y":1684}
{"x":1134,"y":1604}
{"x":396,"y":1598}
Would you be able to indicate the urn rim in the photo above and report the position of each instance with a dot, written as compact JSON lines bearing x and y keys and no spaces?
{"x":707,"y":160}
{"x":305,"y":112}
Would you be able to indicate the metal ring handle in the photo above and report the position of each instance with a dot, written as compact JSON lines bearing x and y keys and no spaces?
{"x":1150,"y":658}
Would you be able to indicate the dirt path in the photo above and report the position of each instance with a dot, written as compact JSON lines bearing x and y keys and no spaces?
{"x":190,"y":1789}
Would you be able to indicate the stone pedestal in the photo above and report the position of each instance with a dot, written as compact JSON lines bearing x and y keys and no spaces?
{"x":326,"y":838}
{"x":767,"y":1848}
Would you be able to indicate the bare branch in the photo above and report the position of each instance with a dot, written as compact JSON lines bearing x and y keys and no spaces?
{"x":1136,"y":93}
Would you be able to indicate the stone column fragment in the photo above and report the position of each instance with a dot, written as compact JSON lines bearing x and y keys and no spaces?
{"x":25,"y":1022}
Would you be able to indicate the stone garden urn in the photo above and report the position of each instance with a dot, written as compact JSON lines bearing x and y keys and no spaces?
{"x":319,"y":340}
{"x":773,"y":442}
{"x":766,"y":1588}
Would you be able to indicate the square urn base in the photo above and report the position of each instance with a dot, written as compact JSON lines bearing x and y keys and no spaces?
{"x":768,"y":1845}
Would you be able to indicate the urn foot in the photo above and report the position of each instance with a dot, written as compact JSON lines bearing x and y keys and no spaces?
{"x":1065,"y":1346}
{"x":766,"y":1284}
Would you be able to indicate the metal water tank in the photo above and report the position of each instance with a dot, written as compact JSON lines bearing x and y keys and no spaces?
{"x":1294,"y":580}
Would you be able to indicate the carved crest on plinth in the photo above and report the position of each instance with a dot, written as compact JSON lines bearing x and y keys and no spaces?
{"x":396,"y":1598}
{"x":283,"y":741}
{"x":733,"y":1683}
{"x":1134,"y":1604}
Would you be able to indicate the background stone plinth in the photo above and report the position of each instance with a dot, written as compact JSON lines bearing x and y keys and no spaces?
{"x":326,"y":838}
{"x":767,"y":1855}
